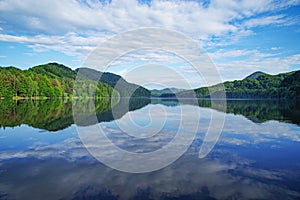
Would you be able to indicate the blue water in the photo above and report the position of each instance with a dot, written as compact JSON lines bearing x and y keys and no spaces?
{"x":251,"y":160}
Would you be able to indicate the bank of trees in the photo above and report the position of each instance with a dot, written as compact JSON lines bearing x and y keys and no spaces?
{"x":17,"y":83}
{"x":45,"y":81}
{"x":263,"y":86}
{"x":55,"y":80}
{"x":282,"y":86}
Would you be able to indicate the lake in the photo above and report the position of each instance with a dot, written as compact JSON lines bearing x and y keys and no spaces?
{"x":256,"y":156}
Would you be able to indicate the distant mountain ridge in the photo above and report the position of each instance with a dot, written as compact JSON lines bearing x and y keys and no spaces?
{"x":157,"y":92}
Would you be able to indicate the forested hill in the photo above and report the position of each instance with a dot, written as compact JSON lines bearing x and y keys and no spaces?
{"x":121,"y":85}
{"x":258,"y":85}
{"x":55,"y":80}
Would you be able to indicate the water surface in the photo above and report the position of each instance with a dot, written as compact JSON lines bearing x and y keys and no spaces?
{"x":256,"y":157}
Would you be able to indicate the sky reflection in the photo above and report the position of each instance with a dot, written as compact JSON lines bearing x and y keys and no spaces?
{"x":250,"y":161}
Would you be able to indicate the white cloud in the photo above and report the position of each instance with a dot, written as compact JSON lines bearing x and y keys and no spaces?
{"x":262,"y":21}
{"x":242,"y":62}
{"x":225,"y":174}
{"x":275,"y":48}
{"x":57,"y":17}
{"x":69,"y":43}
{"x":77,"y":27}
{"x":192,"y":18}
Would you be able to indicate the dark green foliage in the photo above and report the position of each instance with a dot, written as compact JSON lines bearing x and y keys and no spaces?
{"x":255,"y":74}
{"x":256,"y":86}
{"x":264,"y":86}
{"x":54,"y":80}
{"x":292,"y":82}
{"x":54,"y":70}
{"x":124,"y":88}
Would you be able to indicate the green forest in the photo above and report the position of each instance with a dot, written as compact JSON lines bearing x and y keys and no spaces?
{"x":256,"y":86}
{"x":54,"y":80}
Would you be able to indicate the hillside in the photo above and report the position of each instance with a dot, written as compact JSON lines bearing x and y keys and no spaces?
{"x":124,"y":88}
{"x":265,"y":86}
{"x":54,"y":70}
{"x":256,"y":74}
{"x":258,"y":85}
{"x":56,"y":80}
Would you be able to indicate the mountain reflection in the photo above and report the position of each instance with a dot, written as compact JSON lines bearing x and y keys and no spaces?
{"x":249,"y":161}
{"x":57,"y":114}
{"x":258,"y":111}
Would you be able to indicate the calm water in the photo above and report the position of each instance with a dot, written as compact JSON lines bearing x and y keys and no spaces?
{"x":256,"y":157}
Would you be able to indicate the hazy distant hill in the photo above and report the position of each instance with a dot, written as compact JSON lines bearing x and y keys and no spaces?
{"x":156,"y":92}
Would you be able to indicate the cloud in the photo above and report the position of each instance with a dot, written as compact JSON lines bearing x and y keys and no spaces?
{"x":76,"y":28}
{"x":262,"y":21}
{"x":237,"y":53}
{"x":193,"y":18}
{"x":275,"y":48}
{"x":242,"y":62}
{"x":225,"y":175}
{"x":117,"y":16}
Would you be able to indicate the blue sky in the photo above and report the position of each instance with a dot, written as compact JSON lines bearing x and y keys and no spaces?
{"x":240,"y":36}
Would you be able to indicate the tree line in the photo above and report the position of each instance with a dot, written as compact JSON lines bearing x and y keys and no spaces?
{"x":45,"y":81}
{"x":262,"y":86}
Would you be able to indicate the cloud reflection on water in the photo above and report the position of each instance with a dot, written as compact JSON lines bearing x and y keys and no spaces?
{"x":63,"y":169}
